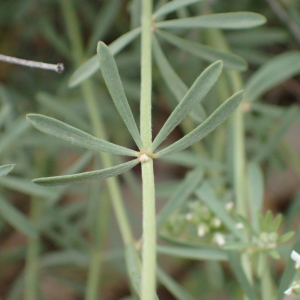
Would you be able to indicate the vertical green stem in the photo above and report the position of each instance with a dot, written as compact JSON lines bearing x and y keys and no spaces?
{"x":114,"y":190}
{"x":149,"y":228}
{"x":31,"y":268}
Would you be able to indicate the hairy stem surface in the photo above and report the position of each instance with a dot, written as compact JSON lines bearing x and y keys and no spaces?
{"x":149,"y":228}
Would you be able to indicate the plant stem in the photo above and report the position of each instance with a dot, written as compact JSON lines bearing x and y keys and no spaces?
{"x":114,"y":190}
{"x":31,"y":268}
{"x":149,"y":225}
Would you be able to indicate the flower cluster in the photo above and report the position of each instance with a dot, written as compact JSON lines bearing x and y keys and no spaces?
{"x":195,"y":223}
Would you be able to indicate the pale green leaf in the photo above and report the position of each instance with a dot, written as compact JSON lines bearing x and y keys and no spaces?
{"x":190,"y":159}
{"x":265,"y":36}
{"x":25,"y":186}
{"x":91,"y":66}
{"x":172,"y":286}
{"x":214,"y":120}
{"x":195,"y":94}
{"x":103,"y":23}
{"x":274,"y":72}
{"x":230,"y":60}
{"x":207,"y":195}
{"x":133,"y":266}
{"x":182,"y":192}
{"x":4,"y":170}
{"x":16,"y":219}
{"x":62,"y":109}
{"x":235,"y":20}
{"x":172,"y":6}
{"x":256,"y":191}
{"x":77,"y":137}
{"x":113,"y":82}
{"x":86,"y":176}
{"x":177,"y":87}
{"x":284,"y":238}
{"x":18,"y":128}
{"x":193,"y":253}
{"x":290,"y":116}
{"x":236,"y":266}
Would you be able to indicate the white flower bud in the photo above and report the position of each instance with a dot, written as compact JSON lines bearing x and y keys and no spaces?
{"x":296,"y":257}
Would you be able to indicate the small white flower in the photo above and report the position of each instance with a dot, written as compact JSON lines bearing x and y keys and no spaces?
{"x":293,"y":289}
{"x":217,"y":222}
{"x":188,"y":216}
{"x":289,"y":291}
{"x":239,"y":225}
{"x":202,"y":230}
{"x":296,"y":257}
{"x":229,"y":206}
{"x":219,"y":239}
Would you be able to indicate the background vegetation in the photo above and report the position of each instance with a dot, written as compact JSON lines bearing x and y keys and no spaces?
{"x":64,"y":242}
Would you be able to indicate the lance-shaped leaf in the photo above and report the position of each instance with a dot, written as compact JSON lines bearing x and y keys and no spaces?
{"x":15,"y":218}
{"x":172,"y":286}
{"x":274,"y":72}
{"x":236,"y":266}
{"x":4,"y":170}
{"x":113,"y":82}
{"x":193,"y":253}
{"x":236,"y":20}
{"x":86,"y":176}
{"x":196,"y":93}
{"x":231,"y":61}
{"x":91,"y":66}
{"x":176,"y":86}
{"x":214,"y":120}
{"x":77,"y":137}
{"x":183,"y":191}
{"x":172,"y":6}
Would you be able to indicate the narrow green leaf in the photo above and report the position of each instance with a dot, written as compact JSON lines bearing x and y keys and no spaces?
{"x":265,"y":36}
{"x":113,"y":82}
{"x":25,"y":186}
{"x":236,"y":266}
{"x":193,"y":253}
{"x":235,"y":20}
{"x":4,"y":170}
{"x":190,"y":159}
{"x":16,"y":219}
{"x":230,"y":60}
{"x":172,"y":286}
{"x":86,"y":176}
{"x":274,"y":72}
{"x":18,"y":128}
{"x":91,"y":66}
{"x":207,"y":195}
{"x":172,"y":6}
{"x":289,"y":271}
{"x":256,"y":192}
{"x":77,"y":137}
{"x":284,"y":238}
{"x":214,"y":120}
{"x":103,"y":22}
{"x":290,"y":116}
{"x":65,"y":258}
{"x":62,"y":109}
{"x":195,"y":94}
{"x":247,"y":225}
{"x":183,"y":191}
{"x":133,"y":265}
{"x":176,"y":86}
